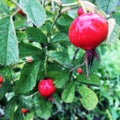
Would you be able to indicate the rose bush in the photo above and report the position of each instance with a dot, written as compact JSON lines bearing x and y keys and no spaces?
{"x":41,"y":35}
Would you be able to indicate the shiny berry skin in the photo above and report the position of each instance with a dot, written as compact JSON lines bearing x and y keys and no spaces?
{"x":88,"y":31}
{"x":80,"y":11}
{"x":79,"y":70}
{"x":1,"y":79}
{"x":24,"y":110}
{"x":46,"y":87}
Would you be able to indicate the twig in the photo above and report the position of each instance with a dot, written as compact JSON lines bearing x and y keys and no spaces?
{"x":14,"y":13}
{"x":68,"y":8}
{"x":70,"y":4}
{"x":56,"y":18}
{"x":78,"y":66}
{"x":74,"y":56}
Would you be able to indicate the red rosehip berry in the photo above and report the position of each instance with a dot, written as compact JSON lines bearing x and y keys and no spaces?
{"x":88,"y":31}
{"x":80,"y":11}
{"x":23,"y":110}
{"x":79,"y":70}
{"x":1,"y":79}
{"x":46,"y":87}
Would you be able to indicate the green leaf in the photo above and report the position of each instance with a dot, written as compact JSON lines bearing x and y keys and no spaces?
{"x":116,"y":15}
{"x":8,"y":42}
{"x":91,"y":80}
{"x":43,"y":108}
{"x":107,"y":5}
{"x":18,"y":115}
{"x":3,"y":7}
{"x":63,"y":22}
{"x":60,"y":57}
{"x":109,"y":116}
{"x":34,"y":11}
{"x":47,"y":27}
{"x":59,"y":77}
{"x":28,"y":78}
{"x":10,"y":109}
{"x":24,"y":101}
{"x":28,"y":50}
{"x":20,"y":23}
{"x":89,"y":99}
{"x":69,"y":93}
{"x":29,"y":116}
{"x":113,"y":33}
{"x":36,"y":35}
{"x":6,"y":87}
{"x":59,"y":37}
{"x":21,"y":35}
{"x":7,"y":73}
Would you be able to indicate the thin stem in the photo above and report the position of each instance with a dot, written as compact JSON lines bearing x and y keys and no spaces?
{"x":87,"y":71}
{"x":86,"y":62}
{"x":74,"y":56}
{"x":68,"y":8}
{"x":46,"y":58}
{"x":14,"y":13}
{"x":70,"y":4}
{"x":78,"y":66}
{"x":56,"y":18}
{"x":45,"y":66}
{"x":19,"y":7}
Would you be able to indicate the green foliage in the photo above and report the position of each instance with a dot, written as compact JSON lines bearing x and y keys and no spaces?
{"x":27,"y":83}
{"x":8,"y":41}
{"x":42,"y":107}
{"x":4,"y":89}
{"x":59,"y":57}
{"x":59,"y":80}
{"x":59,"y":37}
{"x":43,"y":35}
{"x":28,"y":50}
{"x":35,"y":34}
{"x":89,"y":99}
{"x":113,"y":31}
{"x":91,"y":80}
{"x":34,"y":11}
{"x":116,"y":15}
{"x":69,"y":93}
{"x":107,"y":5}
{"x":64,"y":22}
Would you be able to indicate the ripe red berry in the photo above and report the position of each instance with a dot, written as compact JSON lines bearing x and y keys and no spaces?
{"x":88,"y":31}
{"x":23,"y":110}
{"x":1,"y":79}
{"x":46,"y":87}
{"x":21,"y":13}
{"x":80,"y":11}
{"x":79,"y":70}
